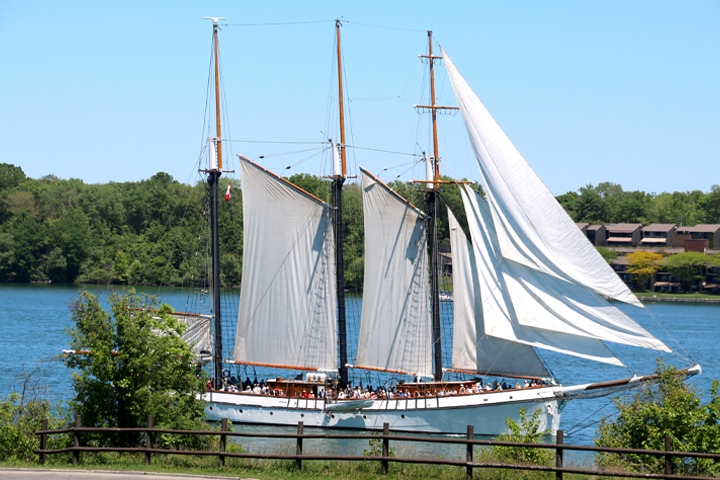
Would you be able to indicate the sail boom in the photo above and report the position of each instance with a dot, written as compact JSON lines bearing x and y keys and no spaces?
{"x":389,"y":370}
{"x":278,"y":365}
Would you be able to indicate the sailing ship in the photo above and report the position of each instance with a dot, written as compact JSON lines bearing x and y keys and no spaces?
{"x":524,"y":279}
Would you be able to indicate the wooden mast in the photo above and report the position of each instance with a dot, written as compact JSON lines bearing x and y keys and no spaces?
{"x":338,"y":179}
{"x":214,"y":173}
{"x":431,"y":195}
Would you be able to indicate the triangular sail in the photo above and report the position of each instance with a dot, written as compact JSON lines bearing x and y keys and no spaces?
{"x":549,"y":278}
{"x":473,"y":350}
{"x":395,"y":329}
{"x":287,"y":315}
{"x":504,"y":301}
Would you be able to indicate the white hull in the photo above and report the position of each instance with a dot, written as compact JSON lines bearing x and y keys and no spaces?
{"x":449,"y":414}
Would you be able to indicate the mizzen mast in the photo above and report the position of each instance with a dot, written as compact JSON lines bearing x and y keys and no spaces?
{"x":431,"y":194}
{"x":214,"y":172}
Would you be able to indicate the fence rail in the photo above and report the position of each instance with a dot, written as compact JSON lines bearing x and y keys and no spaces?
{"x":469,"y":464}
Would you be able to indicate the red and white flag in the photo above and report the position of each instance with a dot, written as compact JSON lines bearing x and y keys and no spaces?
{"x":228,"y":192}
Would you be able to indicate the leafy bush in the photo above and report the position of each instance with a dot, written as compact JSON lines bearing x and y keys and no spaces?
{"x":527,"y":432}
{"x":671,"y":407}
{"x":19,"y":420}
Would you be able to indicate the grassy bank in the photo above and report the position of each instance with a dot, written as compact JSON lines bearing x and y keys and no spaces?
{"x":678,"y":297}
{"x":286,"y":469}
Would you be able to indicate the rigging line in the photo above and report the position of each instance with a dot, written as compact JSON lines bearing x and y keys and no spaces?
{"x":269,"y":80}
{"x":577,"y":427}
{"x":385,"y":151}
{"x":290,"y":153}
{"x":274,"y":142}
{"x":386,"y":27}
{"x":272,"y":24}
{"x":293,"y":165}
{"x":679,"y":347}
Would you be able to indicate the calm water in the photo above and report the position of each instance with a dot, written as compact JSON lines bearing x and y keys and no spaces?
{"x":35,"y":317}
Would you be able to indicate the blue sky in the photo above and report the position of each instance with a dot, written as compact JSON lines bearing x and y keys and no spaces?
{"x":623,"y":92}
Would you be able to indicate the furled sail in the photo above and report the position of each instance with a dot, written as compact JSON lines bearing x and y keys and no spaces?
{"x":546,"y":277}
{"x":474,"y":350}
{"x":287,"y":315}
{"x":198,"y":334}
{"x":395,"y":328}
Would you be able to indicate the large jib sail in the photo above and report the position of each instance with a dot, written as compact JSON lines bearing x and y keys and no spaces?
{"x":547,"y":285}
{"x":287,"y":315}
{"x":395,"y":329}
{"x":473,"y":350}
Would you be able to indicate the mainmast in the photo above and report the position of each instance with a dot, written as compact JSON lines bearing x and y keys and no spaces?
{"x":214,"y":172}
{"x":338,"y":179}
{"x":431,"y":195}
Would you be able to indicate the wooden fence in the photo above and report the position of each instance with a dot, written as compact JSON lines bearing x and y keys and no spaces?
{"x":385,"y":457}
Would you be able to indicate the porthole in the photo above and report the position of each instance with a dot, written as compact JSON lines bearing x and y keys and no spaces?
{"x":271,"y":413}
{"x":302,"y":415}
{"x":240,"y":410}
{"x":364,"y":417}
{"x":402,"y":416}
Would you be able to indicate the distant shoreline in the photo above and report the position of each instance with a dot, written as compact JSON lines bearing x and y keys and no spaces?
{"x":678,"y":299}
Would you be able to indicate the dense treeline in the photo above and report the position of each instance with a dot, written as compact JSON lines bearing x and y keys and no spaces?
{"x":148,"y":232}
{"x":608,"y":203}
{"x":155,"y":232}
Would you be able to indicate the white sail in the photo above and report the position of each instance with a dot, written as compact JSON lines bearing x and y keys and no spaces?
{"x":198,"y":333}
{"x":395,"y":328}
{"x":473,"y":350}
{"x":287,"y":315}
{"x":545,"y":274}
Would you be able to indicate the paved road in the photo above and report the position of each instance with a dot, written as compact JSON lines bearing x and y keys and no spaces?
{"x":57,"y":474}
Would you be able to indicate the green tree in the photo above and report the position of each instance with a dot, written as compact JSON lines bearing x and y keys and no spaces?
{"x":689,"y":267}
{"x":710,"y":205}
{"x":671,"y":407}
{"x":608,"y":254}
{"x":354,"y":233}
{"x":135,"y":365}
{"x":569,"y":202}
{"x":682,"y":208}
{"x":643,"y":265}
{"x":10,"y":176}
{"x":591,"y":206}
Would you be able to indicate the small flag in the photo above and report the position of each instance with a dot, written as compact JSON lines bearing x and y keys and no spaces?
{"x":228,"y":192}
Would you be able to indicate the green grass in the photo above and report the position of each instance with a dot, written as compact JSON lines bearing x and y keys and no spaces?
{"x":683,"y":296}
{"x":286,"y":469}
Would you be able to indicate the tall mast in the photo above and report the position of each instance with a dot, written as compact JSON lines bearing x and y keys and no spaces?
{"x":431,"y":195}
{"x":214,"y":172}
{"x":339,"y":175}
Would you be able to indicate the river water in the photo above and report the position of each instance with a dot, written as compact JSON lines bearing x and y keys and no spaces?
{"x":34,"y":319}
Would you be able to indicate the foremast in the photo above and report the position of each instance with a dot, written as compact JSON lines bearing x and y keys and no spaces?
{"x":338,"y":179}
{"x":214,"y":171}
{"x":431,"y":194}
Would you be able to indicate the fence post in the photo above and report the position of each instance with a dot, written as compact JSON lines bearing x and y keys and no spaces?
{"x":560,"y":439}
{"x":43,"y":440}
{"x":385,"y":448}
{"x":469,"y":452}
{"x":668,"y":458}
{"x":223,"y":440}
{"x":148,"y":439}
{"x":298,"y":450}
{"x":76,"y":441}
